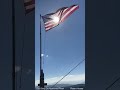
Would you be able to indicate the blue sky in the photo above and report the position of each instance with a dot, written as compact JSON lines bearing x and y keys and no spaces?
{"x":63,"y":46}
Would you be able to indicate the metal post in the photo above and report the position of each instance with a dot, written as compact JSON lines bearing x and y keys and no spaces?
{"x":41,"y":70}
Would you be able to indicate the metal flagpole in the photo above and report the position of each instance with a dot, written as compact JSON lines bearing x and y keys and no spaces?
{"x":40,"y":46}
{"x":41,"y":69}
{"x":13,"y":46}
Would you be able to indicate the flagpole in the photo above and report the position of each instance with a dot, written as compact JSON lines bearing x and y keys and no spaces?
{"x":42,"y":84}
{"x":40,"y":46}
{"x":13,"y":42}
{"x":41,"y":70}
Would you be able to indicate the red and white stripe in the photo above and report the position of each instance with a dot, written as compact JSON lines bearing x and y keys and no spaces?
{"x":50,"y":24}
{"x":68,"y":11}
{"x":29,"y":5}
{"x":62,"y":14}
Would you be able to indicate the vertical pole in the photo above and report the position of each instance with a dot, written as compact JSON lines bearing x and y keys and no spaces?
{"x":41,"y":70}
{"x":13,"y":42}
{"x":42,"y":84}
{"x":40,"y":46}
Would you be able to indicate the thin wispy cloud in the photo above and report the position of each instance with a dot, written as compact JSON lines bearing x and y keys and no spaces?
{"x":46,"y":55}
{"x":70,"y":79}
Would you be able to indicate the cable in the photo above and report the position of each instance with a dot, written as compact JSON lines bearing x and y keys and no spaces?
{"x":112,"y":83}
{"x":67,"y":66}
{"x":68,"y":73}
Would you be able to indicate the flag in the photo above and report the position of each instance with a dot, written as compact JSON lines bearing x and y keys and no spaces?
{"x":53,"y":19}
{"x":29,"y":5}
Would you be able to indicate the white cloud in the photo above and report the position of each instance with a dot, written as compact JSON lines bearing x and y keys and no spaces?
{"x":70,"y":79}
{"x":37,"y":82}
{"x":46,"y":55}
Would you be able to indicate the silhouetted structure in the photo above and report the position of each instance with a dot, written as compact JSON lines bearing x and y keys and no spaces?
{"x":24,"y":80}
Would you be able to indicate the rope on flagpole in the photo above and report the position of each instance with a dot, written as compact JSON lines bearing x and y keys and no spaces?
{"x":44,"y":48}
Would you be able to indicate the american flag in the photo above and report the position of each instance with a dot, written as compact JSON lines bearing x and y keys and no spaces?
{"x":29,"y":5}
{"x":53,"y":19}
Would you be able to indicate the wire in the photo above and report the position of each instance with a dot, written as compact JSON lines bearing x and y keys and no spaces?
{"x":68,"y":73}
{"x":112,"y":83}
{"x":67,"y":66}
